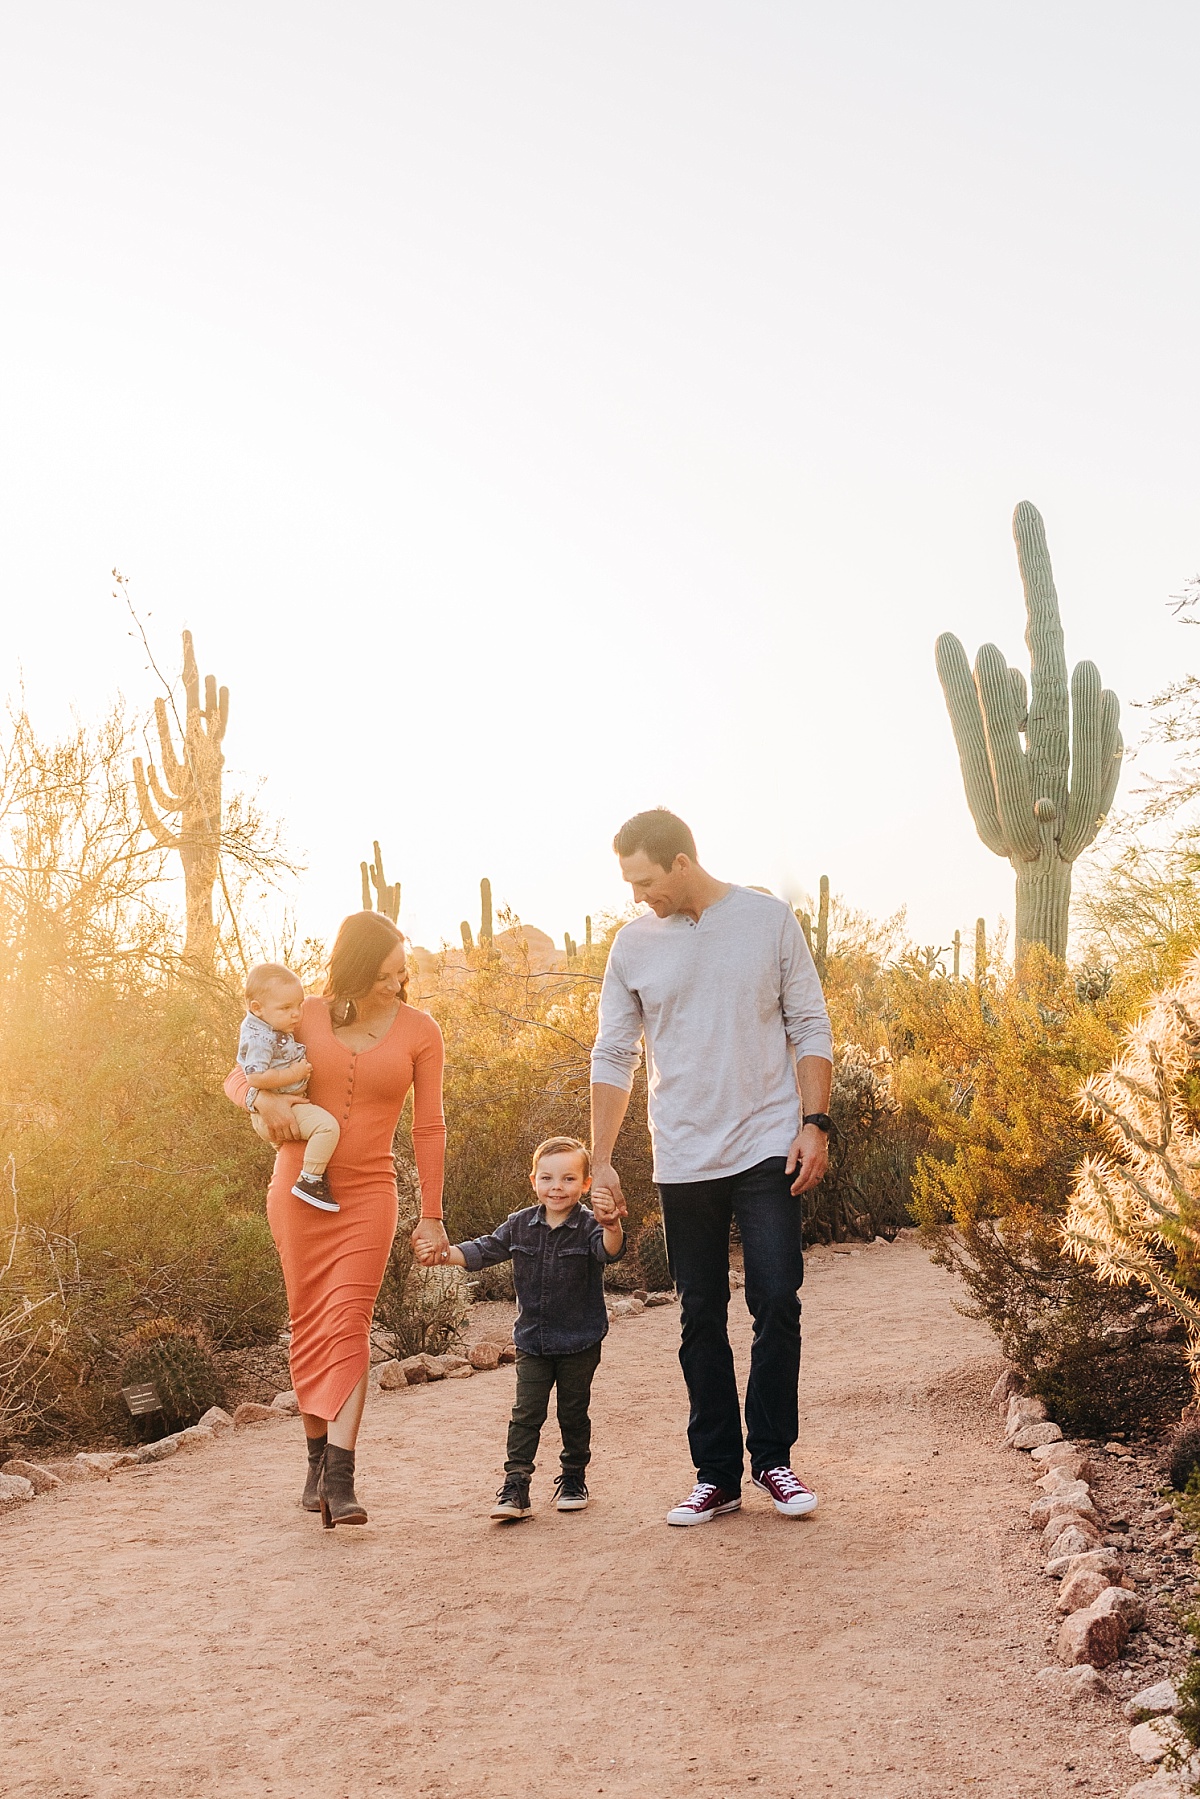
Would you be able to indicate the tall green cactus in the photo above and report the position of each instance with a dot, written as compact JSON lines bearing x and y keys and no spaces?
{"x":485,"y":908}
{"x":1039,"y":803}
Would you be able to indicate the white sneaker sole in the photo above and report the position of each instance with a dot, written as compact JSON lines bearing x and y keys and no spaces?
{"x":679,"y":1515}
{"x":513,"y":1515}
{"x":794,"y":1508}
{"x":321,"y":1205}
{"x":571,"y":1505}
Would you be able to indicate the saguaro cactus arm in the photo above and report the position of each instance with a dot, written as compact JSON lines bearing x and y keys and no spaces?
{"x":165,"y":838}
{"x":1049,"y":712}
{"x":966,"y":719}
{"x":387,"y":896}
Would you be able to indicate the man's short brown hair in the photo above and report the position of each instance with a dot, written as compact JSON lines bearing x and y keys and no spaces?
{"x":563,"y":1146}
{"x":659,"y":833}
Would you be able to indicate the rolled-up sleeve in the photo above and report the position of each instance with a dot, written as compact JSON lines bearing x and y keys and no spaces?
{"x":804,"y":1016}
{"x":485,"y":1252}
{"x":618,"y":1046}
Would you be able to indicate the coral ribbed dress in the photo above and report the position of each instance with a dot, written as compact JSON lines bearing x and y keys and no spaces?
{"x":333,"y":1262}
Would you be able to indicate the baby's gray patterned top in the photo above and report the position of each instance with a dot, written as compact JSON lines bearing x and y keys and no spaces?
{"x":260,"y":1048}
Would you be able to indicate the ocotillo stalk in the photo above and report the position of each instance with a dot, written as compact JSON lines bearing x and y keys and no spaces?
{"x":485,"y":906}
{"x":467,"y":939}
{"x":387,"y":898}
{"x":191,"y":787}
{"x":957,"y":952}
{"x":822,"y":954}
{"x":1039,"y":803}
{"x":980,"y":952}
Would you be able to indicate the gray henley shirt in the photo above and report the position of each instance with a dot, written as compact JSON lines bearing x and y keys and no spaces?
{"x":724,"y":1006}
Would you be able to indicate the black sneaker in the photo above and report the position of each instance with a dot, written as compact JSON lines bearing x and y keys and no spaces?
{"x":312,"y":1189}
{"x":571,"y":1489}
{"x":512,"y":1501}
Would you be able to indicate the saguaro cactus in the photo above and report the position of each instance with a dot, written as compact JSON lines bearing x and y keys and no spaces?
{"x":387,"y":898}
{"x":1039,"y":803}
{"x":485,"y":909}
{"x":190,"y":788}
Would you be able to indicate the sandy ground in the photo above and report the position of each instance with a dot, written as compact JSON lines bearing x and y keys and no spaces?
{"x":187,"y":1630}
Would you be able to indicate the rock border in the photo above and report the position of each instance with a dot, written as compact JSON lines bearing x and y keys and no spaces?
{"x":1097,"y":1600}
{"x":23,"y":1480}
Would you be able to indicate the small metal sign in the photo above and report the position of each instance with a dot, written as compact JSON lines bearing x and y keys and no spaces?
{"x":141,"y":1400}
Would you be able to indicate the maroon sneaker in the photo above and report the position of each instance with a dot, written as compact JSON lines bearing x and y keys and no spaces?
{"x":704,"y":1502}
{"x":790,"y":1494}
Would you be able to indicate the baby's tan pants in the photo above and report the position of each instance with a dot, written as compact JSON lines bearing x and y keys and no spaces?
{"x":319,"y":1128}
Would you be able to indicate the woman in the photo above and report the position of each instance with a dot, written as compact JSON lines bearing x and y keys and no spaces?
{"x":367,"y":1048}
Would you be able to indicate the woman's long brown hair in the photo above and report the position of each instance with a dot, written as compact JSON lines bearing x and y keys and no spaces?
{"x":363,"y":944}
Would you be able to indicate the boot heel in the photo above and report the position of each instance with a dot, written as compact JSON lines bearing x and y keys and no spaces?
{"x":326,"y":1514}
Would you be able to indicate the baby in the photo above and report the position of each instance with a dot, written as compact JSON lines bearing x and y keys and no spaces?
{"x":275,"y":1063}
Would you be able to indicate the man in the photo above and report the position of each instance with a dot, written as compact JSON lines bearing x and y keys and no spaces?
{"x":719,"y":983}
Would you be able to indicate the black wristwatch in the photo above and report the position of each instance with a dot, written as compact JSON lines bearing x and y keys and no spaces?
{"x":822,"y":1120}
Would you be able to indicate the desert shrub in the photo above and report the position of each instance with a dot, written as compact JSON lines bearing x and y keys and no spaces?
{"x":180,"y":1367}
{"x":420,"y":1309}
{"x":991,"y":1193}
{"x":871,"y":1155}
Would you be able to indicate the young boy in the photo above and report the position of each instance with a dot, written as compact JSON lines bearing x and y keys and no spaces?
{"x":276,"y":1063}
{"x":559,"y":1250}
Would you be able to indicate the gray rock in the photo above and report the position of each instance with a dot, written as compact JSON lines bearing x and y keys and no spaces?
{"x":1160,"y":1699}
{"x":158,"y":1452}
{"x":1150,"y":1742}
{"x":1010,"y":1382}
{"x":102,"y":1463}
{"x":39,"y":1478}
{"x":1081,"y":1682}
{"x":1092,"y":1636}
{"x":1160,"y":1785}
{"x":392,"y":1377}
{"x":287,"y":1403}
{"x":1033,"y":1436}
{"x":1072,"y":1540}
{"x":660,"y":1299}
{"x":1120,"y":1602}
{"x":1069,"y":1517}
{"x":196,"y":1436}
{"x":217,"y":1420}
{"x":15,"y":1490}
{"x":251,"y":1413}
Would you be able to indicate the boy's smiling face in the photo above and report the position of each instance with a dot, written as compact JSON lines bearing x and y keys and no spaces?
{"x":560,"y":1183}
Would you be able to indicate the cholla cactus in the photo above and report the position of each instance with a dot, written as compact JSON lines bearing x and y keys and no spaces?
{"x":1042,"y":801}
{"x":1135,"y":1212}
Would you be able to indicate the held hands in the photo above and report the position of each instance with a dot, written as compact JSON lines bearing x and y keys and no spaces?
{"x":430,"y":1244}
{"x":809,"y":1157}
{"x":605,"y":1179}
{"x":604,"y":1208}
{"x":275,"y":1110}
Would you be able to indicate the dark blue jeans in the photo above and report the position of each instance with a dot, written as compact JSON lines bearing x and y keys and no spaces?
{"x":696,"y":1218}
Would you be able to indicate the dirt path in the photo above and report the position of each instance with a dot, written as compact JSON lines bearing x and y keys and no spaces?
{"x":187,"y":1630}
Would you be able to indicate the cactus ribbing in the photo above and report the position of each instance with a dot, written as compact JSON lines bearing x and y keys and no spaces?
{"x":178,"y":1365}
{"x":387,"y":898}
{"x":650,"y":1252}
{"x":191,"y":787}
{"x":485,"y":907}
{"x":1039,"y":803}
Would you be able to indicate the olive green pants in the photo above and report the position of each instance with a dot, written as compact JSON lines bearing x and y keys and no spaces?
{"x":571,"y":1375}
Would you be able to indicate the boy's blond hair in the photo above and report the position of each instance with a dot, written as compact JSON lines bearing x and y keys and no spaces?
{"x":562,"y":1146}
{"x":266,"y":975}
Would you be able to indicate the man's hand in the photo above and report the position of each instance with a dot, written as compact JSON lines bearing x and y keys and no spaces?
{"x":605,"y":1179}
{"x":275,"y":1110}
{"x":809,"y":1156}
{"x":430,"y":1243}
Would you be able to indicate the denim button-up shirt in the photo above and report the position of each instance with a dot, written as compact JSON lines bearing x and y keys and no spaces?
{"x":558,"y":1275}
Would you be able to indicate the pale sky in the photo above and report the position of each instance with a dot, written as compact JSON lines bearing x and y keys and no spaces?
{"x":540,"y":411}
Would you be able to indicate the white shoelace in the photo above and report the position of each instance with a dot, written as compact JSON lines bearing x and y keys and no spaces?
{"x":789,"y":1485}
{"x":700,"y":1492}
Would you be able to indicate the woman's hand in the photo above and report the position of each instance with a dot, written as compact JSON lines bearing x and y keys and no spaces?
{"x":275,"y":1110}
{"x":430,"y":1242}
